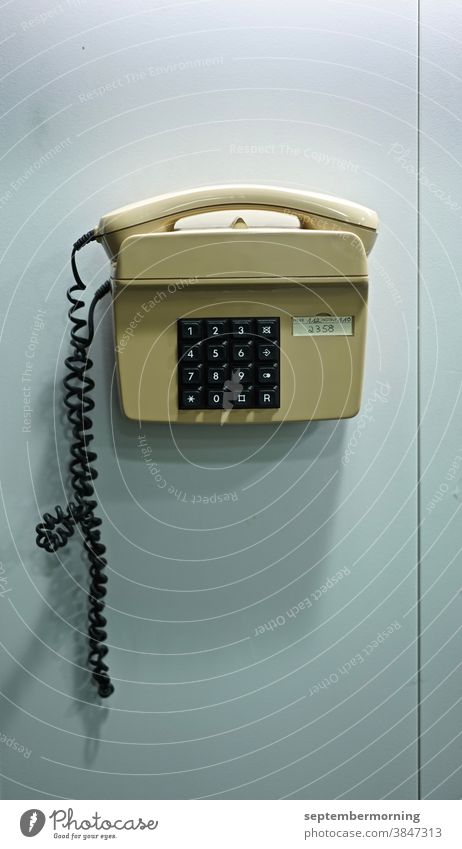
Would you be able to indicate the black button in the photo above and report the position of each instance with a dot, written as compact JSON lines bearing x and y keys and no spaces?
{"x":191,"y":376}
{"x":190,"y":329}
{"x":243,"y":399}
{"x":268,"y":328}
{"x":217,"y":375}
{"x":215,"y":399}
{"x":216,"y":327}
{"x":267,"y":374}
{"x":241,"y":326}
{"x":268,"y":398}
{"x":243,"y":353}
{"x":267,"y":352}
{"x":217,"y":353}
{"x":242,"y":375}
{"x":191,"y":399}
{"x":191,"y":355}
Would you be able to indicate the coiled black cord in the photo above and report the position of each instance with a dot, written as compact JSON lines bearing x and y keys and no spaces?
{"x":55,"y":530}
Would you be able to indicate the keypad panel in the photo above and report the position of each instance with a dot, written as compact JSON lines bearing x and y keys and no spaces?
{"x":228,"y":363}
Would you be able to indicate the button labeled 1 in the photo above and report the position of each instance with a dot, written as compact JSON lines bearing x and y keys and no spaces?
{"x":190,"y":329}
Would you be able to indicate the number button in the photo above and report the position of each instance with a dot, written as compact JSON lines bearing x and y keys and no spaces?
{"x":191,"y":376}
{"x":191,"y":399}
{"x":191,"y":355}
{"x":217,"y":375}
{"x":216,"y":327}
{"x":217,"y":353}
{"x":215,"y":399}
{"x":242,"y":353}
{"x":268,"y":328}
{"x":242,"y":375}
{"x":190,"y":329}
{"x":241,"y":326}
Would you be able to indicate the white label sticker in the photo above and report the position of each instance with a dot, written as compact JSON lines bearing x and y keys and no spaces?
{"x":322,"y":325}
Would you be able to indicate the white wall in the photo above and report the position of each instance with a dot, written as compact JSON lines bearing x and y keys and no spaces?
{"x":134,"y":100}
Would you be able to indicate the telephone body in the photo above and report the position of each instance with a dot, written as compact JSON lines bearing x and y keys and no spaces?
{"x":192,"y":305}
{"x":232,"y":324}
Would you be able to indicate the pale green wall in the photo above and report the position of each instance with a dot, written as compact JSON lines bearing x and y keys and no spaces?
{"x":202,"y":706}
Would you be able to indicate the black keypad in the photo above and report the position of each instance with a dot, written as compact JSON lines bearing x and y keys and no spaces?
{"x":229,"y":363}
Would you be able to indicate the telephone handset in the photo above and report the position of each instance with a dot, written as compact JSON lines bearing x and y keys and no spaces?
{"x":240,"y":324}
{"x":160,"y":214}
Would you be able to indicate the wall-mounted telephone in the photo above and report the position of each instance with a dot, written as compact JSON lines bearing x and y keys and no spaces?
{"x":232,"y":305}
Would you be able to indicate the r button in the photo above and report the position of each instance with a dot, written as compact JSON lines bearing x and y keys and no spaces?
{"x":267,"y":398}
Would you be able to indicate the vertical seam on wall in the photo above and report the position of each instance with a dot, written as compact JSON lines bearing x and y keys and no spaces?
{"x":419,"y":549}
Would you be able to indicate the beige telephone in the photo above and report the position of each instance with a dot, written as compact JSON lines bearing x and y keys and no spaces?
{"x":239,"y":323}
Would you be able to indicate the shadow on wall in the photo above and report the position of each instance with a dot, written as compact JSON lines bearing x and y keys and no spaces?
{"x":63,"y":619}
{"x":62,"y":625}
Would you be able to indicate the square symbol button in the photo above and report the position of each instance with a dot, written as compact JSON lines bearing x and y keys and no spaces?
{"x":243,"y":399}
